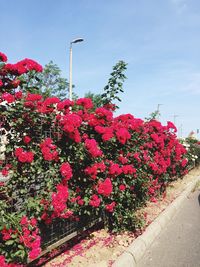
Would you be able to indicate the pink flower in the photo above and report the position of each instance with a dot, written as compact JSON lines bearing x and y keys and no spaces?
{"x":115,"y":169}
{"x":8,"y":97}
{"x":49,"y":150}
{"x":34,"y":253}
{"x":59,"y":200}
{"x":24,"y":156}
{"x":6,"y":234}
{"x":66,"y":170}
{"x":33,"y":97}
{"x":153,"y":199}
{"x":24,"y":220}
{"x":2,"y":261}
{"x":65,"y":104}
{"x":128,"y":169}
{"x":26,"y":139}
{"x":102,"y":112}
{"x":81,"y":202}
{"x":91,"y":146}
{"x":170,"y":125}
{"x":95,"y":201}
{"x":184,"y":162}
{"x":105,"y":188}
{"x":4,"y":172}
{"x":3,"y":57}
{"x":33,"y":222}
{"x":110,"y":207}
{"x":92,"y":171}
{"x":122,"y":187}
{"x":18,"y":151}
{"x":18,"y":95}
{"x":85,"y":102}
{"x":123,"y":135}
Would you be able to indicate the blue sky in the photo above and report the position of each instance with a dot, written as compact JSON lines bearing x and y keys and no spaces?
{"x":158,"y":39}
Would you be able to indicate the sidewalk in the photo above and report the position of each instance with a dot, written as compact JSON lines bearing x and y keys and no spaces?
{"x":178,"y":245}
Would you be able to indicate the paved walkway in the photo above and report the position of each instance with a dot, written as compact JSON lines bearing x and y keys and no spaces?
{"x":179,"y":244}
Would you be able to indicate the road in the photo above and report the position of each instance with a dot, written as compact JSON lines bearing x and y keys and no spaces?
{"x":178,"y":245}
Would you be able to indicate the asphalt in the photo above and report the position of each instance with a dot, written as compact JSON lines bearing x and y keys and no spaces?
{"x":178,"y":244}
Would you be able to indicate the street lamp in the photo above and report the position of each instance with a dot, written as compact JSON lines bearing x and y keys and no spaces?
{"x":70,"y":65}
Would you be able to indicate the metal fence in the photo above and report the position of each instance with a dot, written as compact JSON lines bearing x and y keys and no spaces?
{"x":60,"y":230}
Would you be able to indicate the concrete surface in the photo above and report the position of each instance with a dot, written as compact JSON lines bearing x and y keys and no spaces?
{"x":178,"y":245}
{"x":135,"y":252}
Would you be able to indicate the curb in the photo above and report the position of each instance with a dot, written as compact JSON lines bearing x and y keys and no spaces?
{"x":136,"y":250}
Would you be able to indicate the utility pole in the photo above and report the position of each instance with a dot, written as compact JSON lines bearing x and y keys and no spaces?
{"x":175,"y":116}
{"x":158,"y":111}
{"x":181,"y":130}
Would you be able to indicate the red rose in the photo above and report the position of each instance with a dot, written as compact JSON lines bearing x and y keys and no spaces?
{"x":123,"y":135}
{"x":92,"y":148}
{"x":8,"y":97}
{"x":18,"y":151}
{"x":18,"y":95}
{"x":34,"y":253}
{"x":26,"y":139}
{"x":81,"y":202}
{"x":128,"y":169}
{"x":95,"y":201}
{"x":115,"y":169}
{"x":4,"y":172}
{"x":122,"y":187}
{"x":24,"y":156}
{"x":184,"y":162}
{"x":24,"y":220}
{"x":105,"y":187}
{"x":85,"y":102}
{"x":29,"y":156}
{"x":110,"y":207}
{"x":3,"y":57}
{"x":33,"y":222}
{"x":6,"y":234}
{"x":66,"y":170}
{"x":33,"y":97}
{"x":170,"y":125}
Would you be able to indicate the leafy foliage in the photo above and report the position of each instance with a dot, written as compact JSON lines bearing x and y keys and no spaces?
{"x":51,"y":83}
{"x":115,"y":84}
{"x":67,"y":159}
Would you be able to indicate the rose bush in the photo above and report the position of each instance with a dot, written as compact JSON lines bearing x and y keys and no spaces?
{"x":192,"y":146}
{"x":66,"y":160}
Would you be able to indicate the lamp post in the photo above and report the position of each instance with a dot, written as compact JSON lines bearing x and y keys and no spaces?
{"x":70,"y":65}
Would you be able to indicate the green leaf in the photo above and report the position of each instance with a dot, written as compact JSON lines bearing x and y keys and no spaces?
{"x":20,"y":247}
{"x":9,"y":242}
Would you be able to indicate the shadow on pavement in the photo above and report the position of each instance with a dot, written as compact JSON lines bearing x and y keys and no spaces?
{"x":199,"y":199}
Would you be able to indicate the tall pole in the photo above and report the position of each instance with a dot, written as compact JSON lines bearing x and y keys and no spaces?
{"x":181,"y":130}
{"x":70,"y":65}
{"x":70,"y":72}
{"x":158,"y":111}
{"x":175,"y":116}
